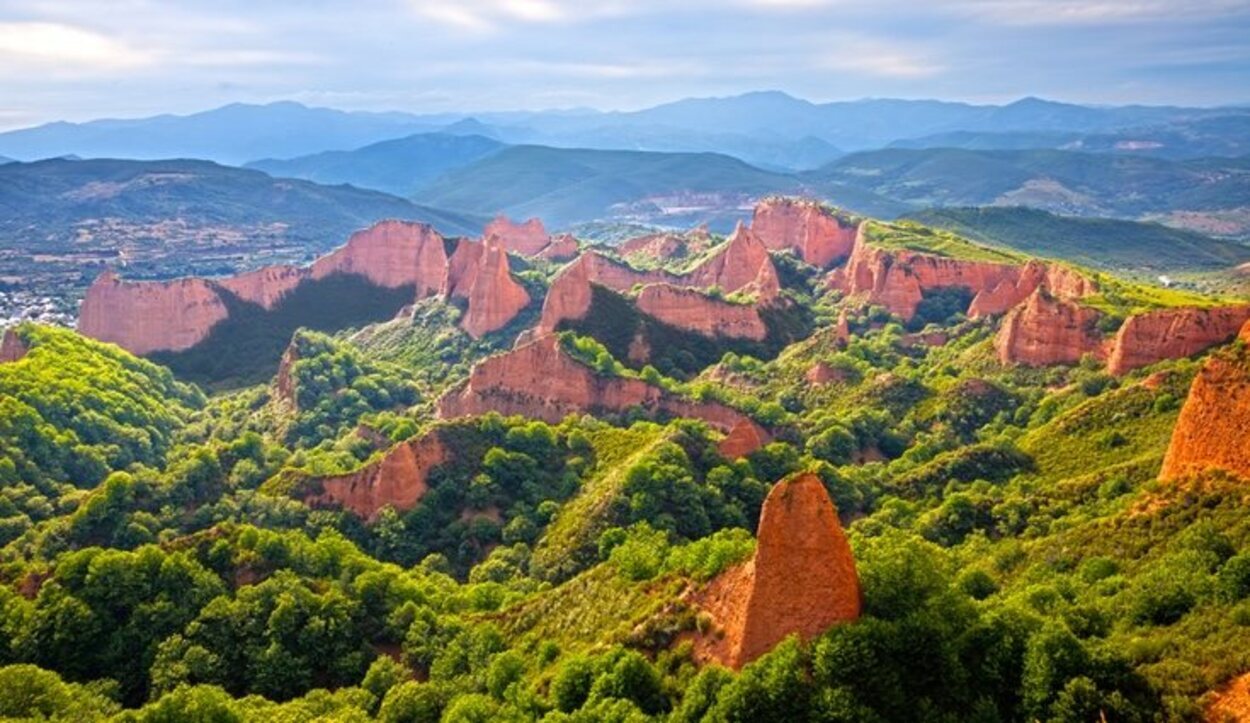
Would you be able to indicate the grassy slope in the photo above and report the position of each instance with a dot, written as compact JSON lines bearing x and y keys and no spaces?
{"x":1108,"y":244}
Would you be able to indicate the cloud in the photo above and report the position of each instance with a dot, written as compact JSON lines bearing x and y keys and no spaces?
{"x":65,"y":48}
{"x":1096,"y":12}
{"x":481,"y":16}
{"x":878,"y":58}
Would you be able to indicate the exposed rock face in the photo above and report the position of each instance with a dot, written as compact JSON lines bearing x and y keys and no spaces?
{"x":1045,"y":330}
{"x":802,"y":579}
{"x":285,"y":390}
{"x":692,"y":310}
{"x":1147,"y":338}
{"x":666,"y":246}
{"x":391,"y":254}
{"x":561,"y":248}
{"x":146,"y":317}
{"x":898,"y":279}
{"x":743,"y":439}
{"x":526,"y":239}
{"x":816,"y":234}
{"x":1059,"y":281}
{"x":494,"y":297}
{"x":1211,"y":430}
{"x":143,"y":317}
{"x":12,"y":348}
{"x":398,"y":479}
{"x":740,"y":263}
{"x":541,"y":381}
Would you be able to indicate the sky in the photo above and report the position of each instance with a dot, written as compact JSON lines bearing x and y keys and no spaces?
{"x":82,"y":59}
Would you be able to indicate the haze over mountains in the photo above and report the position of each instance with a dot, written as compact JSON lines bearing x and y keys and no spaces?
{"x":690,"y":162}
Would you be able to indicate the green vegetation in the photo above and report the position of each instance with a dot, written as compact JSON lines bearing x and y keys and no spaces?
{"x":911,"y":236}
{"x":1107,"y":244}
{"x":1018,"y":560}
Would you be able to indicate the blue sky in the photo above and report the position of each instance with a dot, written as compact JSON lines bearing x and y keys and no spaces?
{"x":81,"y":59}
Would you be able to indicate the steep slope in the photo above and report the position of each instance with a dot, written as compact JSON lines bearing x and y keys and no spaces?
{"x":1109,"y":244}
{"x":235,"y":328}
{"x":568,"y":186}
{"x":1210,"y":433}
{"x":400,"y":166}
{"x":1064,"y":182}
{"x":802,"y":579}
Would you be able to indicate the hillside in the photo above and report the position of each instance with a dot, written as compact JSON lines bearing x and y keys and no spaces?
{"x":1125,"y":247}
{"x":567,"y":186}
{"x":928,"y":489}
{"x":170,"y":218}
{"x":398,"y":167}
{"x":234,"y":134}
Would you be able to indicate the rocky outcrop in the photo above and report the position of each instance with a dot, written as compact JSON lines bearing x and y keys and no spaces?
{"x":284,"y":386}
{"x":818,"y":235}
{"x":1151,"y":337}
{"x":12,"y":348}
{"x":1045,"y":330}
{"x":527,"y":239}
{"x":397,"y":480}
{"x":1059,"y":281}
{"x":801,"y":581}
{"x":743,"y":439}
{"x":692,"y":310}
{"x":561,"y":248}
{"x":741,"y":262}
{"x":667,"y":246}
{"x":898,"y":279}
{"x":149,"y":316}
{"x":391,"y":254}
{"x":146,"y":317}
{"x":541,"y":381}
{"x":494,"y":297}
{"x":1211,"y":430}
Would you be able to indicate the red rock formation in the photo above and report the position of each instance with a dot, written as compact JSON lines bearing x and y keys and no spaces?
{"x":143,"y":317}
{"x":897,"y":279}
{"x":667,"y":245}
{"x":1147,"y":338}
{"x":801,"y":581}
{"x":1211,"y":430}
{"x":743,"y":439}
{"x":1045,"y":330}
{"x":285,"y":390}
{"x":1059,"y":281}
{"x":391,"y":254}
{"x":569,"y":295}
{"x":692,"y":310}
{"x":495,"y":298}
{"x":398,"y":479}
{"x":527,"y":239}
{"x":12,"y":348}
{"x":539,"y":380}
{"x":265,"y":286}
{"x":561,"y":248}
{"x":739,"y":263}
{"x":816,"y":234}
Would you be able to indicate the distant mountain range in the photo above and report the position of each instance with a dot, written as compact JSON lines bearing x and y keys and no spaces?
{"x":771,"y":130}
{"x":400,"y":166}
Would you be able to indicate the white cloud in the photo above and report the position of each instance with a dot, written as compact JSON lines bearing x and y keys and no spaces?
{"x":884,"y":60}
{"x":1095,"y":12}
{"x":66,"y":48}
